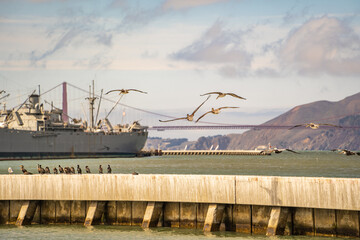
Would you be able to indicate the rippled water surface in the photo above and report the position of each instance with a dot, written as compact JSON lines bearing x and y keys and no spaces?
{"x":314,"y":164}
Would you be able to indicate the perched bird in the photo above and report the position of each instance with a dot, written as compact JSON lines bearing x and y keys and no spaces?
{"x":220,"y":95}
{"x":55,"y":170}
{"x":10,"y":171}
{"x":314,"y":125}
{"x":79,"y":169}
{"x":87,"y":169}
{"x":213,"y":111}
{"x":72,"y":170}
{"x":41,"y":170}
{"x":47,"y":170}
{"x":135,"y":173}
{"x":125,"y":91}
{"x":67,"y":170}
{"x":109,"y":169}
{"x":24,"y":170}
{"x":100,"y":169}
{"x":61,"y":170}
{"x":188,"y":117}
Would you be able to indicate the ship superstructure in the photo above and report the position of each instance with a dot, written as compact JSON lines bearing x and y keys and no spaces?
{"x":30,"y":131}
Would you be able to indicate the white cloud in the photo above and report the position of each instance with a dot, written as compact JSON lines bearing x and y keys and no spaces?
{"x":322,"y":45}
{"x":185,"y":4}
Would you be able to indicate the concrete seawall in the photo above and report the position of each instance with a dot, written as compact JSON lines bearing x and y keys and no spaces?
{"x":253,"y":204}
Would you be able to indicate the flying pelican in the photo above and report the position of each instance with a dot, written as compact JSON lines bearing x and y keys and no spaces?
{"x":188,"y":117}
{"x":220,"y":95}
{"x":314,"y":125}
{"x":346,"y":152}
{"x":213,"y":111}
{"x":124,"y":91}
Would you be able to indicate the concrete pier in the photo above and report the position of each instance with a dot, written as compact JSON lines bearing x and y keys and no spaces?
{"x":246,"y":204}
{"x":214,"y":152}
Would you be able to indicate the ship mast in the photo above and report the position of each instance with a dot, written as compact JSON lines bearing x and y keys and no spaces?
{"x":91,"y":99}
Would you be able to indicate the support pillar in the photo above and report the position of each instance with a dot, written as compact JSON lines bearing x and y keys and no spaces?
{"x":213,"y":217}
{"x":94,"y":213}
{"x":27,"y":212}
{"x":277,"y":221}
{"x":152,"y":214}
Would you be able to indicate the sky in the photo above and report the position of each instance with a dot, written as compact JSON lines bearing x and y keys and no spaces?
{"x":276,"y":54}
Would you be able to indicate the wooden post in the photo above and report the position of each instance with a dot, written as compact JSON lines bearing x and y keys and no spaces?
{"x":26,"y":213}
{"x":213,"y":217}
{"x":152,"y":214}
{"x":277,"y":221}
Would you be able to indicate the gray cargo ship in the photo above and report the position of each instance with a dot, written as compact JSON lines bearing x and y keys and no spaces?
{"x":31,"y":132}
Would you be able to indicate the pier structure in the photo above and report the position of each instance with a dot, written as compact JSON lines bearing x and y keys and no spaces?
{"x":214,"y":152}
{"x":248,"y":204}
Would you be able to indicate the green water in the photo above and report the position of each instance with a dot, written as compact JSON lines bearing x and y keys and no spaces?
{"x":311,"y":164}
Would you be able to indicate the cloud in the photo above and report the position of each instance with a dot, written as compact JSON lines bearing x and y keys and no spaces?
{"x":322,"y":45}
{"x":221,"y":47}
{"x":186,"y":4}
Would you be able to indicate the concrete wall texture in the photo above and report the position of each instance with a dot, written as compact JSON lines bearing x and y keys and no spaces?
{"x":304,"y":192}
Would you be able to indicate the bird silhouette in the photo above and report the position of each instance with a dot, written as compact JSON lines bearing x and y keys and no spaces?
{"x":40,"y":169}
{"x":24,"y":170}
{"x":72,"y":170}
{"x":87,"y":169}
{"x":213,"y":111}
{"x":188,"y":117}
{"x":55,"y":170}
{"x":220,"y":95}
{"x":47,"y":170}
{"x":346,"y":152}
{"x":79,"y":169}
{"x":314,"y":125}
{"x":109,"y":169}
{"x":61,"y":170}
{"x":125,"y":91}
{"x":100,"y":169}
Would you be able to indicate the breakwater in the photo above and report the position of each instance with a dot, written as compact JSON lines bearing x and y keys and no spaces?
{"x":214,"y":152}
{"x":252,"y":204}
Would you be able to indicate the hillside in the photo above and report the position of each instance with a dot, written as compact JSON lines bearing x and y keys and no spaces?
{"x":345,"y":113}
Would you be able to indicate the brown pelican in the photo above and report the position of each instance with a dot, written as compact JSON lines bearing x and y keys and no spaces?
{"x":55,"y":170}
{"x":72,"y":170}
{"x":213,"y":111}
{"x":124,"y":91}
{"x":346,"y":152}
{"x":87,"y":169}
{"x":188,"y":117}
{"x":109,"y":169}
{"x":314,"y":125}
{"x":79,"y":169}
{"x":61,"y":170}
{"x":24,"y":170}
{"x":47,"y":170}
{"x":220,"y":95}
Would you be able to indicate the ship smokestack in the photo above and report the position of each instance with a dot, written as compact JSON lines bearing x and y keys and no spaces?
{"x":64,"y":103}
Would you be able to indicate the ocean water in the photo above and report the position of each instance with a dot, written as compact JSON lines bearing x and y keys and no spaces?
{"x":311,"y":164}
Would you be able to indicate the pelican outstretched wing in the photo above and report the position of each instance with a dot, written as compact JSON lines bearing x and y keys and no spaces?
{"x":202,"y":116}
{"x":333,"y":125}
{"x":193,"y":113}
{"x":226,"y":107}
{"x":211,"y":93}
{"x":234,"y":95}
{"x":172,"y":119}
{"x":291,"y":151}
{"x":136,"y":90}
{"x":299,"y":125}
{"x":115,"y":90}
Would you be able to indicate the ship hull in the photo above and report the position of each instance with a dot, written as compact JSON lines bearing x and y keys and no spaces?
{"x":21,"y":144}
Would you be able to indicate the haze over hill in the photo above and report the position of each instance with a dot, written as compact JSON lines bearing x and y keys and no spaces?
{"x":345,"y":113}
